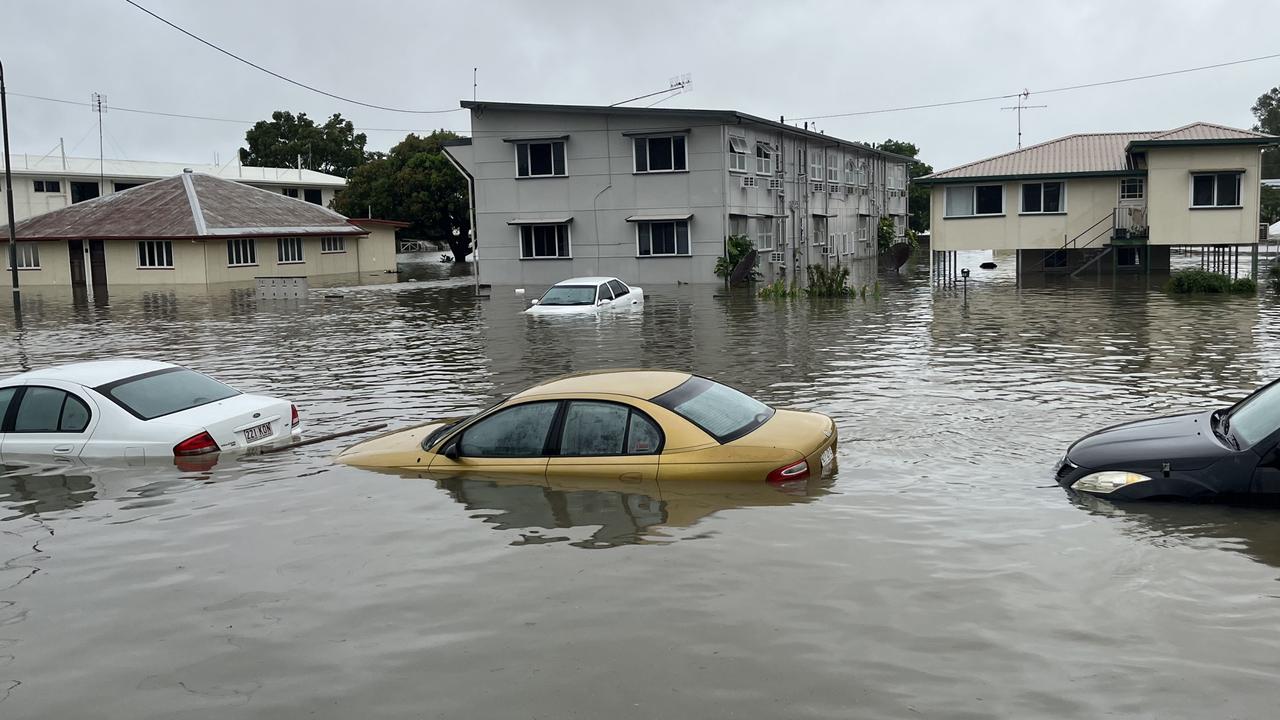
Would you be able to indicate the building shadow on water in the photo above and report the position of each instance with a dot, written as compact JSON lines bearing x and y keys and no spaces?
{"x":621,"y":513}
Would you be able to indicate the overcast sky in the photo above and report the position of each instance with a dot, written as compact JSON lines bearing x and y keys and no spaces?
{"x":773,"y":58}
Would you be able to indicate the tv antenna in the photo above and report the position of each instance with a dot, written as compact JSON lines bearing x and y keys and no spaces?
{"x":99,"y":105}
{"x":1020,"y":107}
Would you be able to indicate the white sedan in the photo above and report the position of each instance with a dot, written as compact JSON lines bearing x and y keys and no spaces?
{"x":134,"y":410}
{"x":587,"y":294}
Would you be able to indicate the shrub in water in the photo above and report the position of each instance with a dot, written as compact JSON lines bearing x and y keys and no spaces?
{"x":1202,"y":281}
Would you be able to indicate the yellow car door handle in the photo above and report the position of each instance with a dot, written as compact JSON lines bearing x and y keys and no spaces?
{"x":632,"y":478}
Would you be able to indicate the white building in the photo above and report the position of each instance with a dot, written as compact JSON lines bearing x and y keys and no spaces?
{"x":52,"y":182}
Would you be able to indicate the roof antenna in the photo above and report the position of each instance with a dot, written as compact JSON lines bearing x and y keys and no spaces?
{"x":1020,"y":107}
{"x":474,"y":82}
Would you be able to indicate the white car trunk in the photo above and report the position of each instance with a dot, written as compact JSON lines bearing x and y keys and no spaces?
{"x":238,"y":421}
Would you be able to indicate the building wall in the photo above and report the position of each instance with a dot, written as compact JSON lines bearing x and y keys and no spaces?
{"x":1089,"y":200}
{"x":377,"y":252}
{"x":55,"y":267}
{"x":1174,"y":222}
{"x":601,"y":190}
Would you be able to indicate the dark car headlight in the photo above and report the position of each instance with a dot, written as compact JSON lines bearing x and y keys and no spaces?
{"x":1107,"y":481}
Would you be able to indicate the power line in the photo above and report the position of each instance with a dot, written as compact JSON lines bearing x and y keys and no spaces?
{"x":1040,"y":92}
{"x":277,"y":75}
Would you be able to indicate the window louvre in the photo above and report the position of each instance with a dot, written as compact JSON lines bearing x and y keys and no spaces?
{"x":28,"y":256}
{"x":333,"y":244}
{"x":289,"y":250}
{"x":242,"y":251}
{"x":155,"y":254}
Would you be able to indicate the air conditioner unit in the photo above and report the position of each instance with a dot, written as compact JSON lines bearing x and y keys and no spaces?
{"x":777,"y":257}
{"x":818,"y":187}
{"x":748,"y":181}
{"x":775,"y":183}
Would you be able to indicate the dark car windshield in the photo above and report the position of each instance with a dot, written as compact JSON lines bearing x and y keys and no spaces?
{"x":570,"y":295}
{"x":163,"y":392}
{"x":1257,"y":416}
{"x":724,"y":413}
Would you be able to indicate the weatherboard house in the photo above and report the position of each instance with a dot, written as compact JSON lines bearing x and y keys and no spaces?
{"x":652,"y":194}
{"x":1121,"y":199}
{"x":194,"y":228}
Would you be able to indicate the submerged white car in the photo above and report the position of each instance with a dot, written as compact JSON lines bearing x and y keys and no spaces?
{"x":587,"y":294}
{"x":135,"y":410}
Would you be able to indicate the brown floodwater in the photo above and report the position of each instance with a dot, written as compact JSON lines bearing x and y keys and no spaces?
{"x":939,"y":573}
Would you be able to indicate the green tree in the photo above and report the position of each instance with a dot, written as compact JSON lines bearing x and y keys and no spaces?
{"x":1270,"y":204}
{"x":413,"y":183}
{"x":334,"y":147}
{"x":917,"y":195}
{"x":1267,"y":110}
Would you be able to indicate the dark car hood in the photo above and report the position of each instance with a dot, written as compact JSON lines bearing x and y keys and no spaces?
{"x":1185,"y":442}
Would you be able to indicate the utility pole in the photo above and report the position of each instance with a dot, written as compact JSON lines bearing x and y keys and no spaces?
{"x":100,"y":107}
{"x":1020,"y":107}
{"x":8,"y":194}
{"x":475,"y":82}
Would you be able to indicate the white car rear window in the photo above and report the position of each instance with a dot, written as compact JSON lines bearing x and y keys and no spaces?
{"x":165,"y":392}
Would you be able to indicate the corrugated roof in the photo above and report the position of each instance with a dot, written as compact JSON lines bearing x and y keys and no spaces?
{"x":189,"y":205}
{"x":52,"y":166}
{"x":1089,"y":153}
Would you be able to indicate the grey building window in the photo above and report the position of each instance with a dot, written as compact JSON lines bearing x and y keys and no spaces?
{"x":764,"y":159}
{"x":241,"y":251}
{"x":290,"y":192}
{"x":661,"y":154}
{"x":1132,"y":189}
{"x":28,"y":256}
{"x":737,"y":154}
{"x":48,"y":186}
{"x":1043,"y":197}
{"x":544,"y":241}
{"x":1216,"y":189}
{"x":312,"y":195}
{"x":540,"y":159}
{"x":121,"y":187}
{"x":333,"y":244}
{"x":656,"y":239}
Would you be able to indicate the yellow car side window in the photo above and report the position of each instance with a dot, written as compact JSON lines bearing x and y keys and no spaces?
{"x":519,"y":431}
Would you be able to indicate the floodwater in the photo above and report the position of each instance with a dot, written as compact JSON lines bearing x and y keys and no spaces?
{"x":939,"y":573}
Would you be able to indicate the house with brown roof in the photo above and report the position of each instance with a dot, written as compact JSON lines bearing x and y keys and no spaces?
{"x":1117,"y":199}
{"x":195,"y":228}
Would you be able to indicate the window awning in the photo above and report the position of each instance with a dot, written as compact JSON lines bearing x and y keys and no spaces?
{"x":823,"y":213}
{"x":534,"y":138}
{"x":540,"y":221}
{"x":656,"y":132}
{"x":668,"y":217}
{"x":738,"y":144}
{"x":770,"y":215}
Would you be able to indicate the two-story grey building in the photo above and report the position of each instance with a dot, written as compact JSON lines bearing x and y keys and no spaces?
{"x":651,"y":194}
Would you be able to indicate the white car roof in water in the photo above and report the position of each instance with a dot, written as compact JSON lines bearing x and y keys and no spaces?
{"x":588,"y":281}
{"x":93,"y":374}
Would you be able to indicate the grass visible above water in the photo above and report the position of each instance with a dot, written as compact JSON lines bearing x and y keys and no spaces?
{"x":1195,"y":280}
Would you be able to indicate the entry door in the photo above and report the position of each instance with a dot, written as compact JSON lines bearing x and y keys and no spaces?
{"x":75,"y":253}
{"x":98,"y":263}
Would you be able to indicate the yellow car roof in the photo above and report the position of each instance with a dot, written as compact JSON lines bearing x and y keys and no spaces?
{"x":643,"y":384}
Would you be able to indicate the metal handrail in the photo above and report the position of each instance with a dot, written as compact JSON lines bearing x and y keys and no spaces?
{"x":1070,"y":244}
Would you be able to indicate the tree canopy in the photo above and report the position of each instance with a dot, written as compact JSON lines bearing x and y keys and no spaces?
{"x":413,"y":183}
{"x":334,"y":147}
{"x":917,"y":195}
{"x":1267,"y":110}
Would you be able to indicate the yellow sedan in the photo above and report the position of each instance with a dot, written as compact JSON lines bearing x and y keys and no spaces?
{"x":637,"y":426}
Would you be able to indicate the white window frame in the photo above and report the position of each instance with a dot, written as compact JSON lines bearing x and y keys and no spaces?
{"x":1191,"y":189}
{"x":973,"y":198}
{"x":242,"y":252}
{"x":155,"y":254}
{"x":523,"y":148}
{"x":284,"y":249}
{"x":737,"y":154}
{"x":764,"y":162}
{"x":1022,"y":198}
{"x":647,"y":139}
{"x":816,"y":173}
{"x":1129,"y":194}
{"x":333,"y":244}
{"x":28,"y":256}
{"x":766,"y":231}
{"x":41,"y":186}
{"x":675,"y":233}
{"x":833,"y":168}
{"x":568,"y":241}
{"x":862,"y":172}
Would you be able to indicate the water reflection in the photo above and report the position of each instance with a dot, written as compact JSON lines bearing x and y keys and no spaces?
{"x":621,"y":513}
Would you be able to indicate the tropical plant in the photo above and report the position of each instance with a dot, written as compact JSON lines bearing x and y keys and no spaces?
{"x":885,"y":234}
{"x":738,"y":247}
{"x":1195,"y":280}
{"x":778,"y":290}
{"x":828,"y":282}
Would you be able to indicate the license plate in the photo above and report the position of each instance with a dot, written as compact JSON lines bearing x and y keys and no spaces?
{"x":257,"y":432}
{"x":827,"y":456}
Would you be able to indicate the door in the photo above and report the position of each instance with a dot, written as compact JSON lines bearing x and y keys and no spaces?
{"x":98,"y":263}
{"x":46,"y":421}
{"x":605,"y":445}
{"x":512,"y":440}
{"x":75,"y":254}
